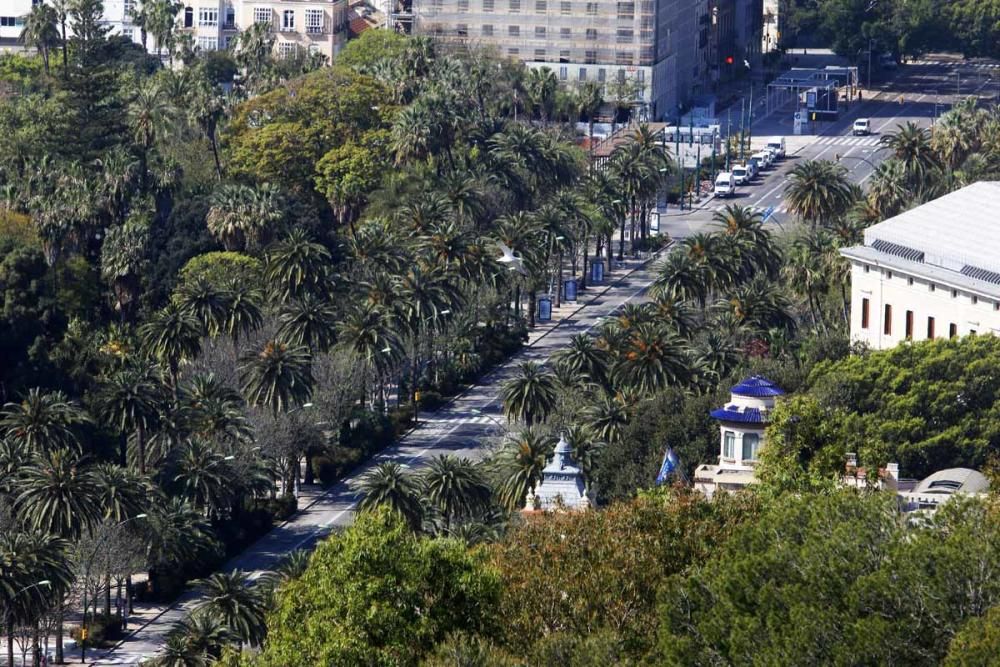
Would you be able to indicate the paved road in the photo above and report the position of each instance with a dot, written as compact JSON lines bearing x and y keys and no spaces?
{"x":459,"y":428}
{"x":927,"y":88}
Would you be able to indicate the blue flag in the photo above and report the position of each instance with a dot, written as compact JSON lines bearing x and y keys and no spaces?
{"x":670,"y":464}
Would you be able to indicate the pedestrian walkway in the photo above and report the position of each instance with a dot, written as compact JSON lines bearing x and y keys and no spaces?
{"x":847,"y":141}
{"x":959,"y":63}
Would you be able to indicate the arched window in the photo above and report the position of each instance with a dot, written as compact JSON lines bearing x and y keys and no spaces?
{"x":751,"y":443}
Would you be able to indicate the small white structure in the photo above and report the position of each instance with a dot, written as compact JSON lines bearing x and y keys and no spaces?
{"x":562,"y":484}
{"x":742,"y":422}
{"x":936,"y":489}
{"x":930,"y":272}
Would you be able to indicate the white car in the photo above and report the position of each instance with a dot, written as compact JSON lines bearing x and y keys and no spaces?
{"x":725,"y":185}
{"x":741,"y":174}
{"x":862,"y":127}
{"x":778,"y":146}
{"x":765,"y":159}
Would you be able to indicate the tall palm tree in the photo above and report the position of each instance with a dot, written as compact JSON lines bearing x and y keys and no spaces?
{"x":889,"y":190}
{"x":232,"y":598}
{"x":390,"y":484}
{"x":58,"y":495}
{"x":297,"y":265}
{"x":123,"y":258}
{"x":277,"y":377}
{"x":150,"y":113}
{"x":653,"y":359}
{"x":520,"y":464}
{"x":308,"y":321}
{"x":171,"y":336}
{"x":40,"y":31}
{"x":196,"y":640}
{"x":818,"y":191}
{"x":203,"y":299}
{"x":530,"y":395}
{"x":245,"y":314}
{"x":455,"y":486}
{"x":608,"y":416}
{"x":130,"y":400}
{"x":199,"y":473}
{"x":583,"y":357}
{"x":911,"y":145}
{"x":121,"y":493}
{"x":242,"y":217}
{"x":589,"y":100}
{"x":42,"y":421}
{"x":61,"y":8}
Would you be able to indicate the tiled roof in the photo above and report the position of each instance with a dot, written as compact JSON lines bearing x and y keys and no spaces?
{"x":733,"y":413}
{"x":757,"y":386}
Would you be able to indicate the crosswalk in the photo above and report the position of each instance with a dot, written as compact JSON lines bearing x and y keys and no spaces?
{"x":457,"y":418}
{"x":953,"y":63}
{"x":847,"y":141}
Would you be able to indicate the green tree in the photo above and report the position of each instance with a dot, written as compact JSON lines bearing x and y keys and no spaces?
{"x":277,"y":377}
{"x":58,"y":495}
{"x":519,"y":466}
{"x":130,"y":401}
{"x":233,"y":598}
{"x":172,"y":335}
{"x":818,"y":192}
{"x":455,"y":486}
{"x":391,"y":485}
{"x":377,"y":594}
{"x":40,"y":31}
{"x":43,"y":421}
{"x":530,"y":395}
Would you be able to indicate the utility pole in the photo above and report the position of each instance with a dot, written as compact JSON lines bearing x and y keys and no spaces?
{"x":729,"y":134}
{"x":680,"y":163}
{"x":869,"y":66}
{"x":750,"y":119}
{"x":743,"y":113}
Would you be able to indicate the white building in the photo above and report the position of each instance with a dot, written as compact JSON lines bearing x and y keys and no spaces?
{"x":742,"y":423}
{"x":12,"y":13}
{"x":931,"y":272}
{"x":935,"y":490}
{"x":562,"y":485}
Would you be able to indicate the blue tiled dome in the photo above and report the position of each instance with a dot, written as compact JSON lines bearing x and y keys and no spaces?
{"x":757,"y":386}
{"x":732,"y":413}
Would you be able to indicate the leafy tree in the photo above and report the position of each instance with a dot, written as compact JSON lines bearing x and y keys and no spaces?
{"x":172,"y":335}
{"x":58,"y":496}
{"x":43,"y":421}
{"x":520,"y":464}
{"x":377,"y":594}
{"x":130,"y":400}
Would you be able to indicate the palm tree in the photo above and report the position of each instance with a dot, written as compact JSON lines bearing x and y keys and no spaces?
{"x":587,"y":448}
{"x":530,"y":395}
{"x":583,"y":357}
{"x":232,"y":598}
{"x":291,"y":567}
{"x":178,"y":533}
{"x":608,"y":416}
{"x":123,"y":258}
{"x":61,"y":8}
{"x":245,"y":313}
{"x":589,"y":100}
{"x":42,"y":421}
{"x":149,"y":114}
{"x":170,"y":336}
{"x":121,"y":493}
{"x":308,"y":321}
{"x":199,"y":473}
{"x":673,"y":313}
{"x":806,"y":275}
{"x":520,"y":464}
{"x":298,"y":265}
{"x":653,"y":359}
{"x":889,"y":190}
{"x":58,"y":495}
{"x":196,"y":640}
{"x":40,"y":31}
{"x":241,"y":217}
{"x":277,"y":377}
{"x":206,"y":302}
{"x":911,"y":145}
{"x":390,"y":484}
{"x":819,"y":191}
{"x":130,"y":400}
{"x":455,"y":486}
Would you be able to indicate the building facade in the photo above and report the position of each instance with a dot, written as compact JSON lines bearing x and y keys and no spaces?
{"x":117,"y":17}
{"x":298,"y":26}
{"x":742,"y":423}
{"x":931,"y":272}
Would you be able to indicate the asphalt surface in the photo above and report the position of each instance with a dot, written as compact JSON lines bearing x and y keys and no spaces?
{"x":463,"y":426}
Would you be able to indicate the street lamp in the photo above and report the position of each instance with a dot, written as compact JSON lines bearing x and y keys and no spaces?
{"x":86,"y":575}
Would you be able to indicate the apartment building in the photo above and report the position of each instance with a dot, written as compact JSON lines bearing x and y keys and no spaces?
{"x":298,"y":26}
{"x":12,"y":12}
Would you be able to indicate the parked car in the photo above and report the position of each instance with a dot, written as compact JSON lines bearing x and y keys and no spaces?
{"x":862,"y":127}
{"x":753,"y":166}
{"x":741,"y":174}
{"x":778,"y":145}
{"x":765,"y":159}
{"x":725,"y":184}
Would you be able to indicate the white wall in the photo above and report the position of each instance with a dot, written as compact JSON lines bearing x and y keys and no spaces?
{"x":904,"y":292}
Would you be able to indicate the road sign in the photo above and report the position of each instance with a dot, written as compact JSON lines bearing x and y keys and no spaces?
{"x":768,"y":212}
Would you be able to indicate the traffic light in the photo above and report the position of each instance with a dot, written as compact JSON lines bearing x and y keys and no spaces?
{"x":730,"y":60}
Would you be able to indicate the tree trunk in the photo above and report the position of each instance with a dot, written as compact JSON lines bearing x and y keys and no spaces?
{"x":140,"y":445}
{"x":583,"y":276}
{"x":609,"y":249}
{"x":558,"y":279}
{"x":107,"y":597}
{"x":10,"y":639}
{"x":60,"y":658}
{"x":215,"y":153}
{"x":621,"y":241}
{"x":531,"y":308}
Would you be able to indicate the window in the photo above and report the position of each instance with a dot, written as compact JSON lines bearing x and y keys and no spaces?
{"x":487,"y":30}
{"x":487,"y":5}
{"x":565,"y":8}
{"x":626,"y":10}
{"x":867,"y":269}
{"x":286,"y":49}
{"x":888,"y":275}
{"x":622,"y":58}
{"x":931,"y":286}
{"x":583,"y":74}
{"x":513,"y":53}
{"x":954,"y":294}
{"x":208,"y":16}
{"x":887,"y":323}
{"x":514,"y":30}
{"x":602,"y":74}
{"x":591,"y":34}
{"x":975,"y":299}
{"x":127,"y":33}
{"x":996,"y":305}
{"x":564,"y":56}
{"x":462,"y":30}
{"x":189,"y":17}
{"x":8,"y":21}
{"x":539,"y":55}
{"x":230,"y":17}
{"x":952,"y":330}
{"x":539,"y":32}
{"x":625,"y":36}
{"x":590,"y":58}
{"x":864,"y":313}
{"x":930,"y":328}
{"x":563,"y":73}
{"x":463,"y":6}
{"x":515,"y":6}
{"x":288,"y":19}
{"x":909,"y":325}
{"x":261,"y":15}
{"x":729,"y":445}
{"x":751,"y":443}
{"x":314,"y":21}
{"x":591,"y":9}
{"x":541,"y":6}
{"x":565,"y":33}
{"x":208,"y":43}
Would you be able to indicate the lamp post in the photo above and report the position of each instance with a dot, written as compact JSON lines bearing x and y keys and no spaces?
{"x":9,"y":618}
{"x":86,"y":575}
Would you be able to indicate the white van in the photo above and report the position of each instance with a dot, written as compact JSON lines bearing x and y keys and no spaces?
{"x":778,"y":146}
{"x":862,"y":127}
{"x":725,"y":185}
{"x":765,"y":159}
{"x":741,"y":174}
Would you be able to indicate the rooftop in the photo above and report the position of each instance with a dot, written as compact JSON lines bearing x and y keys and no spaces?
{"x":954,"y":238}
{"x":953,"y":480}
{"x":757,"y":386}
